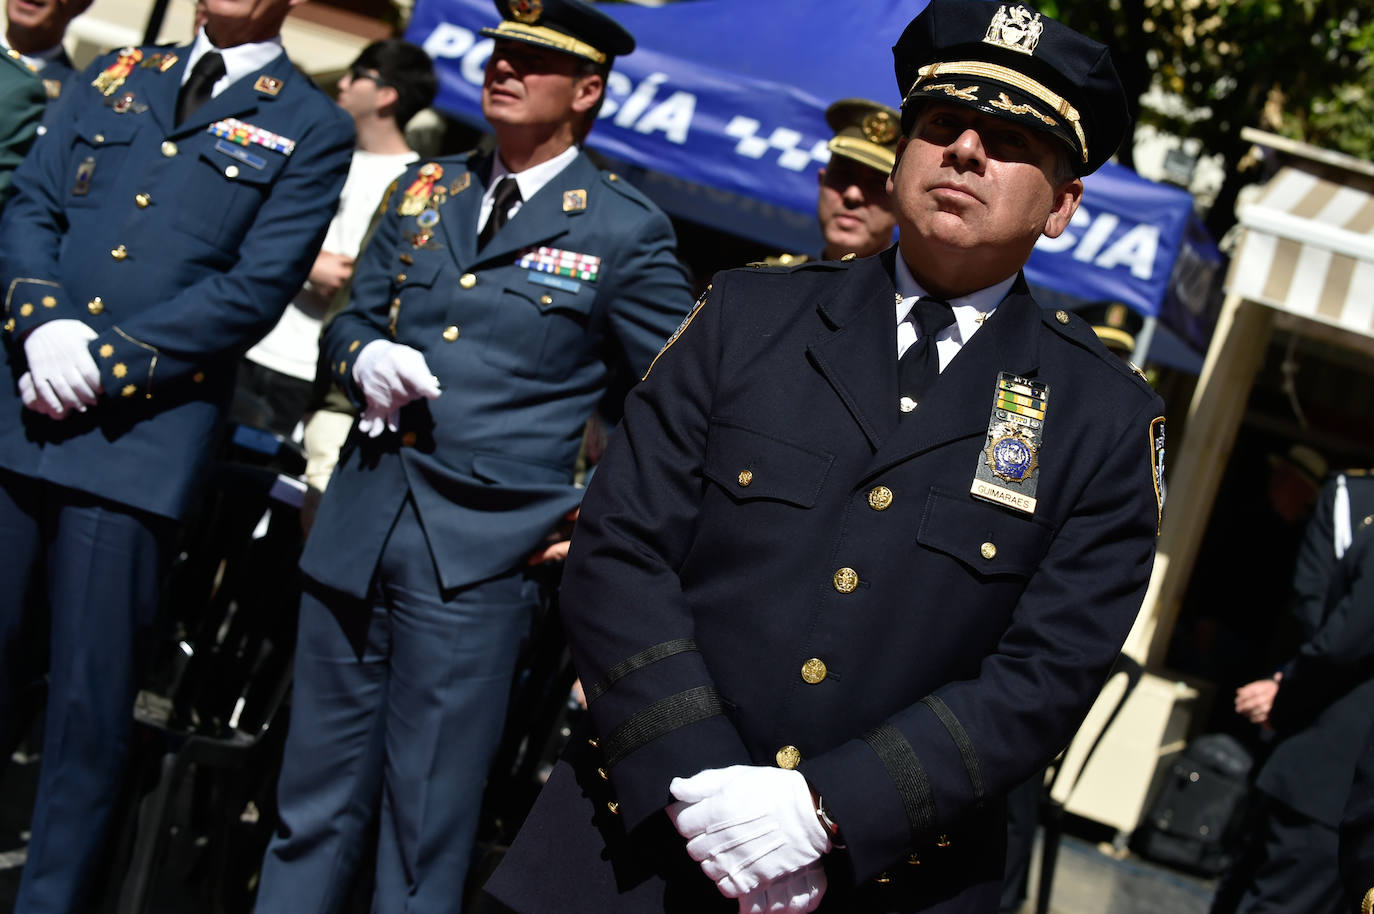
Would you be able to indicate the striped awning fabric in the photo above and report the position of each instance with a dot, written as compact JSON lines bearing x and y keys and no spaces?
{"x":1308,"y":249}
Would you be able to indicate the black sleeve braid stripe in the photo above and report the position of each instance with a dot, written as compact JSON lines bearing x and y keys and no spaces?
{"x":960,"y":737}
{"x":660,"y":718}
{"x":907,"y":773}
{"x":637,"y":662}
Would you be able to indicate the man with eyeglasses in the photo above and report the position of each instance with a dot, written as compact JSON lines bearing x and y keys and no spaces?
{"x":387,"y":85}
{"x":499,"y":295}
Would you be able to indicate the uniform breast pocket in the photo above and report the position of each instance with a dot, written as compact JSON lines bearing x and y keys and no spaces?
{"x":539,"y":331}
{"x":987,"y":539}
{"x":753,"y":465}
{"x":99,"y":154}
{"x":229,"y":183}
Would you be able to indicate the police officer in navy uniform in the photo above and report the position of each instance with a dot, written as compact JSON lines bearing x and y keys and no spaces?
{"x":828,"y":603}
{"x":487,"y":313}
{"x":157,"y":230}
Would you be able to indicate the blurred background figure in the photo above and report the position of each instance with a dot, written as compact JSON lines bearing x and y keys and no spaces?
{"x":34,"y":34}
{"x":21,"y":108}
{"x":389,"y":82}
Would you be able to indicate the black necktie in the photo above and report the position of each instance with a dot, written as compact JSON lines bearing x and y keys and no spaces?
{"x":920,"y":364}
{"x":507,"y":195}
{"x":199,"y":85}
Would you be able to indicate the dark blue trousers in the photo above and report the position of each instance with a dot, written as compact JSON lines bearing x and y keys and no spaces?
{"x":94,"y":566}
{"x":399,"y":699}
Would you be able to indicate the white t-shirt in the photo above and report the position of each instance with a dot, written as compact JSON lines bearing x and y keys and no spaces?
{"x":293,"y":346}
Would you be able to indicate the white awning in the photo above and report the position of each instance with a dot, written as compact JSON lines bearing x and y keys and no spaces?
{"x":1308,"y":249}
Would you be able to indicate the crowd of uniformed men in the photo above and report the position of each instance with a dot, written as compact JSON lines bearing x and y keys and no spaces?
{"x":198,"y":231}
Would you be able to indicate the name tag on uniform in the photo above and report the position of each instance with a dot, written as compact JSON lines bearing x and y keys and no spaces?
{"x":1006,"y":472}
{"x":243,"y":155}
{"x":555,"y":282}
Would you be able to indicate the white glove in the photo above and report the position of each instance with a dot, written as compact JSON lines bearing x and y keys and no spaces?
{"x":29,"y":395}
{"x":795,"y":893}
{"x":390,"y":375}
{"x":65,"y":376}
{"x":747,"y":825}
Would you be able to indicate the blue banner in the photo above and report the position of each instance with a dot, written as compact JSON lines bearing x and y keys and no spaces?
{"x":719,"y":115}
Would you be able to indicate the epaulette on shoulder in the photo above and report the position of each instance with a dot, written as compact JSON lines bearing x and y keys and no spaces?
{"x":770,"y":266}
{"x":625,"y":189}
{"x":1357,"y":471}
{"x":1075,"y":328}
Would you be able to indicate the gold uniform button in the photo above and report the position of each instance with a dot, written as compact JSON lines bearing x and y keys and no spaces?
{"x":26,"y":309}
{"x":594,"y":742}
{"x":120,"y":252}
{"x":343,"y":368}
{"x":601,"y":773}
{"x":906,"y":404}
{"x":613,"y":807}
{"x":119,"y":370}
{"x":850,"y":256}
{"x":198,"y":377}
{"x":846,"y":580}
{"x":882,"y":878}
{"x":142,"y":200}
{"x":880,"y":498}
{"x":408,"y":439}
{"x":745,"y":477}
{"x":813,"y":670}
{"x":546,"y":300}
{"x":988,"y":551}
{"x":467,"y":280}
{"x":169,"y":149}
{"x":49,"y":301}
{"x":128,"y":390}
{"x":913,"y":858}
{"x":788,"y":757}
{"x":9,"y":325}
{"x":613,"y":176}
{"x":95,"y":305}
{"x":1061,"y":316}
{"x":451,"y":332}
{"x":396,"y":302}
{"x":106,"y":351}
{"x":353,"y":346}
{"x":400,"y":277}
{"x":942,"y":841}
{"x":99,"y":137}
{"x":406,"y":259}
{"x":231,"y":171}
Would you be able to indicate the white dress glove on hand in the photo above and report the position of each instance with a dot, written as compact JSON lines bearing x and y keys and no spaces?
{"x":390,"y":375}
{"x":747,"y":825}
{"x":795,"y":893}
{"x":64,"y":375}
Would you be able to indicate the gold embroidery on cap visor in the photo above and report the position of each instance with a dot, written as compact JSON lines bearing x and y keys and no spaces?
{"x":982,"y":70}
{"x":546,"y":37}
{"x":864,"y":152}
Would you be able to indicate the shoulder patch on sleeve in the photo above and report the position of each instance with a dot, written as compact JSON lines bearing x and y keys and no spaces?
{"x":1157,"y":467}
{"x":681,"y":329}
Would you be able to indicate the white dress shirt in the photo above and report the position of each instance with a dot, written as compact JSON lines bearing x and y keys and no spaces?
{"x":969,"y":313}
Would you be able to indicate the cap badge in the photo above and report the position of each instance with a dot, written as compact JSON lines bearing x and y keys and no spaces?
{"x":879,"y":127}
{"x":526,"y":11}
{"x":1016,"y":29}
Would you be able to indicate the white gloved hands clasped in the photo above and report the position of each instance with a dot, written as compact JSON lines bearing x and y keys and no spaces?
{"x":62,"y":376}
{"x":795,"y":893}
{"x":390,"y":375}
{"x":748,"y":826}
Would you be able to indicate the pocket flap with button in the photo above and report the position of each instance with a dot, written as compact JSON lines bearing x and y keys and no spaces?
{"x":102,"y":132}
{"x":754,"y":465}
{"x":418,"y":275}
{"x":986,"y":538}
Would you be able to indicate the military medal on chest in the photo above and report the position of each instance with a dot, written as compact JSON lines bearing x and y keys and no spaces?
{"x":1006,"y":473}
{"x":416,"y":199}
{"x":113,"y":76}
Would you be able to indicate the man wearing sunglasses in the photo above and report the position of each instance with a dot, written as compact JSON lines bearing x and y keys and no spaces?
{"x":498,"y":297}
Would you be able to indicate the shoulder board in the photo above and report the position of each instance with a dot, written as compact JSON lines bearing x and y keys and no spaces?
{"x":625,"y":189}
{"x":18,"y":64}
{"x":1357,"y":471}
{"x":1073,"y":327}
{"x":770,"y":266}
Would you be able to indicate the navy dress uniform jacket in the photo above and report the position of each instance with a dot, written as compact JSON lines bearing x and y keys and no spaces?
{"x":521,"y":362}
{"x":179,"y":248}
{"x":771,"y":568}
{"x":1325,"y":704}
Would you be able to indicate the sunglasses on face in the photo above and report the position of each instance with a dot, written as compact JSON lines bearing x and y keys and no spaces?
{"x":356,"y":72}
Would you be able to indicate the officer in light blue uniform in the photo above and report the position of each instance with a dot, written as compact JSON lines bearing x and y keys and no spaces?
{"x":156,"y":231}
{"x":498,"y":297}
